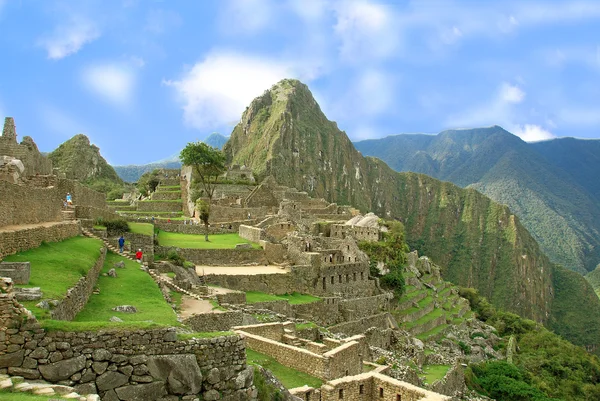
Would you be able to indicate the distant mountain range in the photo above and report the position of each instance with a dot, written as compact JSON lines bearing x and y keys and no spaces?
{"x":132,"y":172}
{"x":552,"y":186}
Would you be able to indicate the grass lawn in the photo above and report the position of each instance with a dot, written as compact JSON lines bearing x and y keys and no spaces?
{"x":289,"y":377}
{"x":207,"y":334}
{"x":141,"y":228}
{"x":18,"y":396}
{"x":434,"y":372}
{"x":132,"y":286}
{"x":293,"y":298}
{"x":57,"y":266}
{"x":216,"y":241}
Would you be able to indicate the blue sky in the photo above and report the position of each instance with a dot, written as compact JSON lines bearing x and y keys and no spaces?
{"x":142,"y":78}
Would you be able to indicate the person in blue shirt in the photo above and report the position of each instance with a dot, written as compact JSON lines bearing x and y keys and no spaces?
{"x":121,"y":243}
{"x":69,"y":199}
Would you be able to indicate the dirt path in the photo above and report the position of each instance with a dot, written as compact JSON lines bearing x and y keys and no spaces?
{"x":239,"y":270}
{"x":191,"y":306}
{"x":28,"y":226}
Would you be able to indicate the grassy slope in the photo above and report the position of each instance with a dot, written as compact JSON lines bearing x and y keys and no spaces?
{"x":216,"y":241}
{"x":593,"y":278}
{"x":289,"y":377}
{"x":132,"y":286}
{"x":18,"y":396}
{"x":141,"y":228}
{"x":57,"y":266}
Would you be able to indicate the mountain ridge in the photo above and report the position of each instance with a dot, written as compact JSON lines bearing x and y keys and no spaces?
{"x":283,"y":133}
{"x":557,"y":206}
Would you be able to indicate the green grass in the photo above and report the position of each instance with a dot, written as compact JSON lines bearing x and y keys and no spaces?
{"x":167,"y":187}
{"x":294,"y":298}
{"x":64,"y":325}
{"x":432,"y":332}
{"x":216,"y":241}
{"x":430,"y":316}
{"x":434,"y":372}
{"x":96,"y":227}
{"x":57,"y":266}
{"x":208,"y":334}
{"x":132,"y":287}
{"x":308,"y":325}
{"x":18,"y":396}
{"x":176,"y":297}
{"x":141,"y":228}
{"x":216,"y":305}
{"x":289,"y":377}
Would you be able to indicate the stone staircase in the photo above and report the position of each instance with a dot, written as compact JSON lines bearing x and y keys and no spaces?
{"x":68,"y":214}
{"x":58,"y":392}
{"x":109,"y":246}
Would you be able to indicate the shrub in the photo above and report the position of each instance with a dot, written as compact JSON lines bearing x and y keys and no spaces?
{"x":466,"y":348}
{"x":116,"y":226}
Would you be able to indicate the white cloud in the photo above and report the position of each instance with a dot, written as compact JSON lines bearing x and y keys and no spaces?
{"x":511,"y":93}
{"x":69,"y":38}
{"x":215,"y":91}
{"x":112,"y":82}
{"x":248,"y":16}
{"x":309,"y":10}
{"x":531,"y":132}
{"x":365,"y":29}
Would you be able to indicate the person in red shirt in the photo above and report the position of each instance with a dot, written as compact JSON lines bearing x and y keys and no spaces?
{"x":138,"y":256}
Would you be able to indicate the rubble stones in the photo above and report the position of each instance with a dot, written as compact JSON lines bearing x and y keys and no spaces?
{"x":125,"y":309}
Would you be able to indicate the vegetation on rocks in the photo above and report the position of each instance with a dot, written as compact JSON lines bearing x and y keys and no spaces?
{"x":79,"y":160}
{"x":546,"y":366}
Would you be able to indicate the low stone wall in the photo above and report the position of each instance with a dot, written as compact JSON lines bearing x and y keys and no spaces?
{"x":381,"y":321}
{"x":276,"y":253}
{"x":427,"y":326}
{"x":375,"y":386}
{"x":123,"y":364}
{"x":22,"y":239}
{"x":214,"y":321}
{"x":233,"y":298}
{"x":143,"y":242}
{"x":282,"y":307}
{"x":353,"y":309}
{"x":218,"y":257}
{"x":19,"y":272}
{"x":78,"y":295}
{"x":166,"y":195}
{"x":196,"y":229}
{"x":159,"y":206}
{"x":302,"y":360}
{"x":220,"y":214}
{"x":270,"y":283}
{"x":253,"y":234}
{"x":272,"y":331}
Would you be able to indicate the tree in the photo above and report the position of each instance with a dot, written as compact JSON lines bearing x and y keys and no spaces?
{"x":208,"y":163}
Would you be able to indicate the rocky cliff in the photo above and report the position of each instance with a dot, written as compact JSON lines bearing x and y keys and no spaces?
{"x":284,"y":133}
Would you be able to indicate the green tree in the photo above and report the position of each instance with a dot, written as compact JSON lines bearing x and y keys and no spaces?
{"x":208,"y":163}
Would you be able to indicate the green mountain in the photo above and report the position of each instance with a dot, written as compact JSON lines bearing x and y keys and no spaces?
{"x":593,"y":278}
{"x":548,"y":184}
{"x":482,"y":244}
{"x":133,"y":172}
{"x":79,"y":160}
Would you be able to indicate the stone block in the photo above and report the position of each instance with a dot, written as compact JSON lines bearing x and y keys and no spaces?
{"x":142,"y":392}
{"x":110,"y":380}
{"x":19,"y":272}
{"x":181,"y":372}
{"x":62,"y":370}
{"x":13,"y":359}
{"x":29,"y":374}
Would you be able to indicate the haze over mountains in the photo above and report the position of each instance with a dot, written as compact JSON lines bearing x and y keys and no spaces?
{"x":552,"y":185}
{"x":132,"y":172}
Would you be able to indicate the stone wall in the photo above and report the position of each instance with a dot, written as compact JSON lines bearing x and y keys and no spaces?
{"x":217,"y":257}
{"x":224,"y":214}
{"x":344,"y":360}
{"x":250,"y":233}
{"x":143,"y":242}
{"x":22,"y":239}
{"x":21,"y":204}
{"x":177,"y":226}
{"x":356,"y":308}
{"x":166,"y":195}
{"x":159,"y":206}
{"x":93,"y":213}
{"x":301,"y":359}
{"x":359,"y":233}
{"x":270,"y":283}
{"x":18,"y":272}
{"x":273,"y":331}
{"x":77,"y":296}
{"x":124,"y":364}
{"x":382,"y":321}
{"x":234,"y":298}
{"x":214,"y":321}
{"x":375,"y":386}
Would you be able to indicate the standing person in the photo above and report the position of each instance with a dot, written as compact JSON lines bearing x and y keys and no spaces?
{"x":121,"y":244}
{"x":138,"y":256}
{"x":69,"y":199}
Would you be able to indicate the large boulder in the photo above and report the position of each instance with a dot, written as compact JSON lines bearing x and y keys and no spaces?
{"x":62,"y":370}
{"x":181,"y":372}
{"x":142,"y":392}
{"x":110,"y":380}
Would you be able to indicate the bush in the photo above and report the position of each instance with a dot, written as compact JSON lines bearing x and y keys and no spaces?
{"x":466,"y":348}
{"x":116,"y":226}
{"x":116,"y":193}
{"x":175,"y":258}
{"x":394,"y":281}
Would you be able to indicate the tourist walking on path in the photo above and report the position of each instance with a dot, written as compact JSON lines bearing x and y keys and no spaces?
{"x":138,"y":256}
{"x":121,"y":243}
{"x":69,"y":199}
